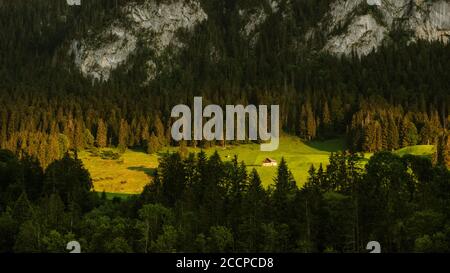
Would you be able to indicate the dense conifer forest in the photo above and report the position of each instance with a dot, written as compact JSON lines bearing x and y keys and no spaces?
{"x":200,"y":204}
{"x":395,"y":97}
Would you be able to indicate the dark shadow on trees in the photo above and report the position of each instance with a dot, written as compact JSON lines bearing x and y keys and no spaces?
{"x":330,"y":146}
{"x":148,"y":171}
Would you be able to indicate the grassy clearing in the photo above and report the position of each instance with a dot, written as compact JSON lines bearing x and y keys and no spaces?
{"x":299,"y":156}
{"x":129,"y":173}
{"x":420,"y":150}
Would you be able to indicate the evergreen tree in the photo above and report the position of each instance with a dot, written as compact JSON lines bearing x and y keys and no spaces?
{"x":153,"y":144}
{"x":123,"y":135}
{"x":326,"y":120}
{"x":443,"y":151}
{"x":33,"y":177}
{"x":284,"y":191}
{"x":102,"y":132}
{"x":172,"y":172}
{"x":70,"y":180}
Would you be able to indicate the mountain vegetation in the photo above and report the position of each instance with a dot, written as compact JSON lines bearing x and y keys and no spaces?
{"x":392,"y":98}
{"x":201,"y":204}
{"x":396,"y":96}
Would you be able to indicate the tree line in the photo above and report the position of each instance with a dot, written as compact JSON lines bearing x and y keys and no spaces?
{"x":71,"y":113}
{"x":202,"y":204}
{"x":392,"y":98}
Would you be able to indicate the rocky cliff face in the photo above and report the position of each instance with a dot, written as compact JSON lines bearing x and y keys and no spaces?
{"x":431,"y":21}
{"x":153,"y":24}
{"x":253,"y":18}
{"x":363,"y":25}
{"x":349,"y":26}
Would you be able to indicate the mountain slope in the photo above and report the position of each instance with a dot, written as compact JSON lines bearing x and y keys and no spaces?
{"x":362,"y":25}
{"x":150,"y":23}
{"x":359,"y":26}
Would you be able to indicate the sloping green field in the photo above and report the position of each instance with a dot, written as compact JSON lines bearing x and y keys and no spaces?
{"x":127,"y":174}
{"x":420,"y":150}
{"x":133,"y":170}
{"x":299,"y":156}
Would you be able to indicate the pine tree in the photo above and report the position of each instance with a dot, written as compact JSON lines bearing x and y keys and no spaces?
{"x":123,"y":135}
{"x":33,"y":176}
{"x":326,"y":120}
{"x":393,"y":134}
{"x":370,"y":137}
{"x":145,"y":135}
{"x":79,"y":134}
{"x":442,"y":155}
{"x":238,"y":186}
{"x":68,"y":178}
{"x":53,"y":208}
{"x":378,"y":142}
{"x":337,"y":113}
{"x":153,"y":144}
{"x":159,"y":131}
{"x":88,"y":138}
{"x":447,"y":152}
{"x":311,"y":125}
{"x":302,"y":128}
{"x":253,"y":213}
{"x":172,"y":171}
{"x":284,"y":192}
{"x":408,"y":133}
{"x":68,"y":131}
{"x":22,"y":210}
{"x":54,"y":151}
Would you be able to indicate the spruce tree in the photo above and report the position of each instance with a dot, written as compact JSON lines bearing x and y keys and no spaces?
{"x":326,"y":120}
{"x":123,"y":135}
{"x":442,"y":155}
{"x":102,"y":134}
{"x":284,"y":191}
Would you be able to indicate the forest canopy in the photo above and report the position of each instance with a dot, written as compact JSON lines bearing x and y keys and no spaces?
{"x":392,"y":98}
{"x":397,"y":96}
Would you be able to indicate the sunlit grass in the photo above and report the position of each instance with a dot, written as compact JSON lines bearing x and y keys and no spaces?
{"x":134,"y":169}
{"x":128,"y":174}
{"x":420,"y":150}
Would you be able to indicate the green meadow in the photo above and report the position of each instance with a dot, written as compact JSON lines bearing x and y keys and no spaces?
{"x":298,"y":154}
{"x":129,"y":172}
{"x":420,"y":150}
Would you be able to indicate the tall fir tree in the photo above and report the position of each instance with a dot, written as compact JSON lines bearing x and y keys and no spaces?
{"x":101,"y":138}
